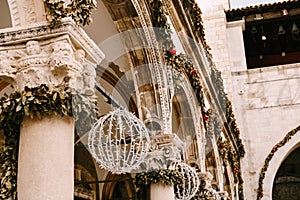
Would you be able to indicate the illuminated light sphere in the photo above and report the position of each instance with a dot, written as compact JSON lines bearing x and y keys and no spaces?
{"x":119,"y":141}
{"x":190,"y":183}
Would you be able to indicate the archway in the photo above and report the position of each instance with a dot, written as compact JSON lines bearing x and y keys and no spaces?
{"x":118,"y":187}
{"x":278,"y":158}
{"x":287,"y":180}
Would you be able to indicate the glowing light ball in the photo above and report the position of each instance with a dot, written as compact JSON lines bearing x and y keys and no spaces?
{"x":119,"y":141}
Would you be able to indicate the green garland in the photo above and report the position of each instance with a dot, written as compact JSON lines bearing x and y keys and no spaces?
{"x":196,"y":16}
{"x":215,"y":75}
{"x":182,"y":64}
{"x":234,"y":128}
{"x":229,"y":156}
{"x":35,"y":103}
{"x":79,"y":10}
{"x":160,"y":22}
{"x":165,"y":176}
{"x":263,"y":170}
{"x":203,"y":194}
{"x":179,"y":63}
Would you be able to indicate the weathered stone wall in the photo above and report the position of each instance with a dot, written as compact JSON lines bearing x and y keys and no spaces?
{"x":266,"y":100}
{"x":214,"y":22}
{"x":267,"y":103}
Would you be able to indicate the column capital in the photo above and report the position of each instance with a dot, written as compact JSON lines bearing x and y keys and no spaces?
{"x":165,"y":150}
{"x":31,"y":56}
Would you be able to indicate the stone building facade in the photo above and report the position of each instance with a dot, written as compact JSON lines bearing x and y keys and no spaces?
{"x":136,"y":106}
{"x":264,"y":92}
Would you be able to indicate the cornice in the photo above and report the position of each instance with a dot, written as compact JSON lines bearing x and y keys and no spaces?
{"x":42,"y":31}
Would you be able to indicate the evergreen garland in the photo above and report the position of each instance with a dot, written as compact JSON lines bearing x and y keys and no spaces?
{"x":263,"y":170}
{"x":196,"y":16}
{"x":165,"y":176}
{"x":160,"y":24}
{"x":79,"y":10}
{"x":203,"y":194}
{"x":182,"y":64}
{"x":35,"y":103}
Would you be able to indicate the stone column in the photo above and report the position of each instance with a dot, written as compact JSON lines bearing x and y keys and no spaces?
{"x":42,"y":56}
{"x":160,"y":191}
{"x":164,"y":153}
{"x":46,"y":159}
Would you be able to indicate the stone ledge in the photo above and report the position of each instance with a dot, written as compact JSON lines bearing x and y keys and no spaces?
{"x":41,"y":30}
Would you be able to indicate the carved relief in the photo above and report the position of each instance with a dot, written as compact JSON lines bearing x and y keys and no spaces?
{"x":24,"y":12}
{"x":29,"y":11}
{"x":47,"y":62}
{"x":61,"y":56}
{"x":43,"y":31}
{"x":89,"y":77}
{"x":165,"y":150}
{"x":8,"y":62}
{"x":206,"y":191}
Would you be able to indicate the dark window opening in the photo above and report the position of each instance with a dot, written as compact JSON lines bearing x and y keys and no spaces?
{"x":272,"y":42}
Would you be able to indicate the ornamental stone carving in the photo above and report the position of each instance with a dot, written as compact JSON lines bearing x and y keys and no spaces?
{"x":206,"y":191}
{"x":24,"y":12}
{"x":223,"y":195}
{"x":165,"y":150}
{"x":29,"y":66}
{"x":48,"y":58}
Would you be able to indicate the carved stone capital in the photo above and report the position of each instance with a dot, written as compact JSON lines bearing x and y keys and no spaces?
{"x":39,"y":55}
{"x":205,"y":178}
{"x":165,"y":150}
{"x":223,"y":195}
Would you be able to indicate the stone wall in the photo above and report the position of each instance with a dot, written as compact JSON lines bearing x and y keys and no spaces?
{"x":266,"y":101}
{"x":214,"y":22}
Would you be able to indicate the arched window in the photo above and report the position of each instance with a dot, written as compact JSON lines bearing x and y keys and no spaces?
{"x":287,"y":180}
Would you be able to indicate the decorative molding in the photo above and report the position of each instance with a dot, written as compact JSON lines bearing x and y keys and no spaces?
{"x":47,"y":62}
{"x":30,"y":11}
{"x":206,"y":190}
{"x":14,"y":12}
{"x":165,"y":149}
{"x":41,"y":31}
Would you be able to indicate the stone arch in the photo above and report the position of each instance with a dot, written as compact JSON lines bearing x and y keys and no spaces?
{"x":279,"y":156}
{"x":287,"y":180}
{"x":85,"y":170}
{"x":118,"y":186}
